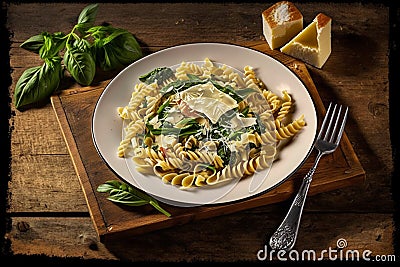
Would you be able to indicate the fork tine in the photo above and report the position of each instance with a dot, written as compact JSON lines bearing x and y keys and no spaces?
{"x":327,"y":132}
{"x":324,"y":122}
{"x":336,"y":124}
{"x":339,"y":136}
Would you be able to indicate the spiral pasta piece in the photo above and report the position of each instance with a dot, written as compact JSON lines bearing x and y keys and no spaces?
{"x":291,"y":129}
{"x":205,"y":157}
{"x":133,"y":129}
{"x":154,"y":156}
{"x":272,"y":99}
{"x":285,"y":106}
{"x":188,"y":68}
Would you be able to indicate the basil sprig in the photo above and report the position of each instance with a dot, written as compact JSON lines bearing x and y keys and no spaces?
{"x":123,"y":193}
{"x":79,"y":52}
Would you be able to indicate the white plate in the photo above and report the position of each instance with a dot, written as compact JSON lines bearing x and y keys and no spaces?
{"x":107,"y":125}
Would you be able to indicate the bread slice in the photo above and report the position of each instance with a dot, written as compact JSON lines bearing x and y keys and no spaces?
{"x":281,"y":22}
{"x":313,"y":44}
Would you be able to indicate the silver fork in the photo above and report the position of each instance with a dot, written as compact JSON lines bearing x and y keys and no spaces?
{"x":327,"y":141}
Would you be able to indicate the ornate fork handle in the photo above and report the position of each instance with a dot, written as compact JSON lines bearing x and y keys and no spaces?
{"x":285,"y":236}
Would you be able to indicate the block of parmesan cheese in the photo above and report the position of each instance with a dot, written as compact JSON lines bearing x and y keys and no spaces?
{"x":281,"y":22}
{"x":313,"y":44}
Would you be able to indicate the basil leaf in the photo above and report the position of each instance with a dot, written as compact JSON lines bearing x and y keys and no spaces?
{"x":98,"y":32}
{"x":161,"y":109}
{"x":185,"y":123}
{"x":160,"y":75}
{"x":245,"y":92}
{"x":28,"y":82}
{"x":224,"y":152}
{"x":193,"y":78}
{"x":108,"y":186}
{"x":46,"y":44}
{"x":34,"y":43}
{"x":38,"y":83}
{"x":87,"y":17}
{"x":114,"y":48}
{"x":79,"y":62}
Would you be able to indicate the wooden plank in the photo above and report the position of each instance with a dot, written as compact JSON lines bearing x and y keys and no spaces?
{"x":95,"y":211}
{"x":70,"y":107}
{"x":56,"y":237}
{"x":30,"y":194}
{"x":29,"y":139}
{"x":180,"y":18}
{"x":243,"y":238}
{"x":176,"y":16}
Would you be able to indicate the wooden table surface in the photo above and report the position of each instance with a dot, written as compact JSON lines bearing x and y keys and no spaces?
{"x":46,"y":214}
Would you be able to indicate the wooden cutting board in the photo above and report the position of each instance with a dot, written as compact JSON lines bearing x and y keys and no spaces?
{"x":74,"y":109}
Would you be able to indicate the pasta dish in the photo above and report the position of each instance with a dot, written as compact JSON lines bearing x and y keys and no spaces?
{"x":204,"y":123}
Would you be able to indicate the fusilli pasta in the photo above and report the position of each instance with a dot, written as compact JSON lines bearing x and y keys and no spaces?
{"x":203,"y":124}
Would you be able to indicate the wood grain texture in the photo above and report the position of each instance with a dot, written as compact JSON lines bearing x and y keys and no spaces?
{"x":43,"y":179}
{"x":74,"y":237}
{"x":72,"y":108}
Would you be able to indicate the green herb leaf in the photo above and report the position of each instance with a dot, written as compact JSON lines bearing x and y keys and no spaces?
{"x":38,"y":83}
{"x":125,"y":194}
{"x":224,"y":152}
{"x":161,"y":109}
{"x":45,"y":44}
{"x":193,"y":78}
{"x":79,"y":62}
{"x":228,"y":90}
{"x":34,"y":43}
{"x":160,"y":75}
{"x":87,"y":17}
{"x":245,"y":92}
{"x":186,"y":123}
{"x":52,"y":45}
{"x":114,"y":48}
